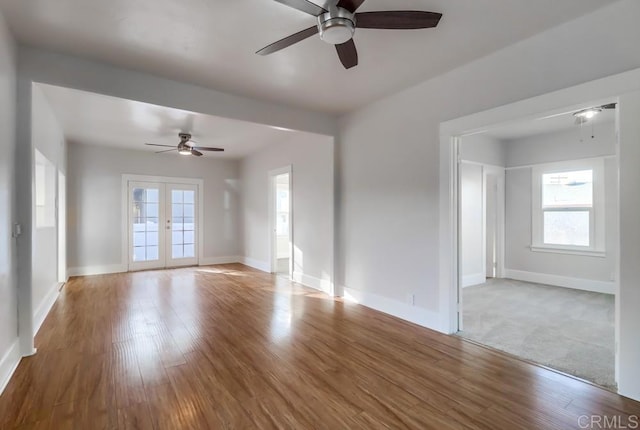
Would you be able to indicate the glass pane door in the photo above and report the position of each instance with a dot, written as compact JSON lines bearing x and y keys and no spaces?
{"x":146,"y":233}
{"x":183,"y":206}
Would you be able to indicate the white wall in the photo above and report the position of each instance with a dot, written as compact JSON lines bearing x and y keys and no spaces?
{"x":471,"y":225}
{"x":483,"y":149}
{"x":561,"y":146}
{"x":389,"y":154}
{"x":73,"y":72}
{"x":9,"y":353}
{"x":491,"y":153}
{"x":547,"y":148}
{"x":95,"y":202}
{"x":48,"y":139}
{"x":628,"y":299}
{"x":311,"y":158}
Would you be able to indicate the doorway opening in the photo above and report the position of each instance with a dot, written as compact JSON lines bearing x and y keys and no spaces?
{"x":281,"y":221}
{"x":163,"y":222}
{"x":538,"y":233}
{"x":62,"y":227}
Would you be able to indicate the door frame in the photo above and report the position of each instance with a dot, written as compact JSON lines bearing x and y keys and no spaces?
{"x":273,"y":257}
{"x":61,"y":224}
{"x":124,"y":218}
{"x":499,"y":172}
{"x":579,"y":96}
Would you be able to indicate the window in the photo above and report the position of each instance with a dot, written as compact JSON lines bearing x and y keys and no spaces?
{"x":45,"y":191}
{"x":568,"y":207}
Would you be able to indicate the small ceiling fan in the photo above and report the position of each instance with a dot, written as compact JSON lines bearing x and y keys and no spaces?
{"x":185,"y":146}
{"x":337,"y":25}
{"x":585,"y":115}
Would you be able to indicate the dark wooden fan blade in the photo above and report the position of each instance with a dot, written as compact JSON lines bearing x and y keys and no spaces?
{"x":350,"y":5}
{"x":398,"y":20}
{"x":166,"y":150}
{"x":304,"y":6}
{"x":196,"y":152}
{"x":155,"y":144}
{"x":288,"y":41}
{"x":204,"y":148}
{"x":348,"y":54}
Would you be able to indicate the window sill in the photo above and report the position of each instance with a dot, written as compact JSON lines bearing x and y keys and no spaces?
{"x":570,"y":251}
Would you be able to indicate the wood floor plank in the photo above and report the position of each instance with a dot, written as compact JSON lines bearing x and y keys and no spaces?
{"x":228,"y":347}
{"x":136,"y":417}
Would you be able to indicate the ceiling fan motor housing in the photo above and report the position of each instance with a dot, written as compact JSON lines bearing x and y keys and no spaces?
{"x":336,"y":26}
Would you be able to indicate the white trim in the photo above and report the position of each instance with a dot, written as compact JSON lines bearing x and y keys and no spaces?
{"x":574,"y":98}
{"x":478,"y":163}
{"x":212,"y":261}
{"x":529,"y":166}
{"x":264,"y":266}
{"x":9,"y":364}
{"x":45,"y":306}
{"x":568,"y":250}
{"x":414,"y":314}
{"x":323,"y":285}
{"x":475,"y":279}
{"x":597,"y":223}
{"x":97,"y":270}
{"x":501,"y":215}
{"x":562,"y":281}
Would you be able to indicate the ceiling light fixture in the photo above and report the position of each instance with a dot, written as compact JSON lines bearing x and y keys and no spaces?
{"x":587,"y":114}
{"x":184,"y":149}
{"x":336,"y":26}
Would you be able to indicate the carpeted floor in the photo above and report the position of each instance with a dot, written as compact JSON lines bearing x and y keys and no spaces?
{"x":568,"y":330}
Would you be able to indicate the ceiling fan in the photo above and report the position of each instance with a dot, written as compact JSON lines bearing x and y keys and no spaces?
{"x":587,"y":114}
{"x":337,"y":25}
{"x":185,"y":146}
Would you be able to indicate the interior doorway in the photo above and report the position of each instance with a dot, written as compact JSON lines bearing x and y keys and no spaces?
{"x":550,"y":184}
{"x":281,"y":221}
{"x":62,"y":227}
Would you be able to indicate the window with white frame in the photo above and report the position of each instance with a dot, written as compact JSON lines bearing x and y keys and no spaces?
{"x":568,"y":206}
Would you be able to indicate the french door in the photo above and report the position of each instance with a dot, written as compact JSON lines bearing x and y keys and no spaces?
{"x":162,"y":225}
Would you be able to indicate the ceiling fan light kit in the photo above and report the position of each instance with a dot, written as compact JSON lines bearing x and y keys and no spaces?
{"x":337,"y":25}
{"x":184,"y":148}
{"x":587,"y":114}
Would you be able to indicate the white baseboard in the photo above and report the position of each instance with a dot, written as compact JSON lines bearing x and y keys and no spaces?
{"x":210,"y":261}
{"x":414,"y":314}
{"x":96,"y":270}
{"x":256,"y":264}
{"x":45,"y":306}
{"x":562,"y":281}
{"x":475,"y":279}
{"x":8,"y":364}
{"x":323,"y":285}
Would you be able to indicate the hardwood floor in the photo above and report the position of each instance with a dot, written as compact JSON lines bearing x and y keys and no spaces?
{"x":229,"y":347}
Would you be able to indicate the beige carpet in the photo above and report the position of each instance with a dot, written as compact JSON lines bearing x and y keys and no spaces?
{"x":568,"y":330}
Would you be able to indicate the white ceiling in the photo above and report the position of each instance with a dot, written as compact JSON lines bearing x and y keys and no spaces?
{"x":95,"y":119}
{"x":544,"y":124}
{"x":212,"y":42}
